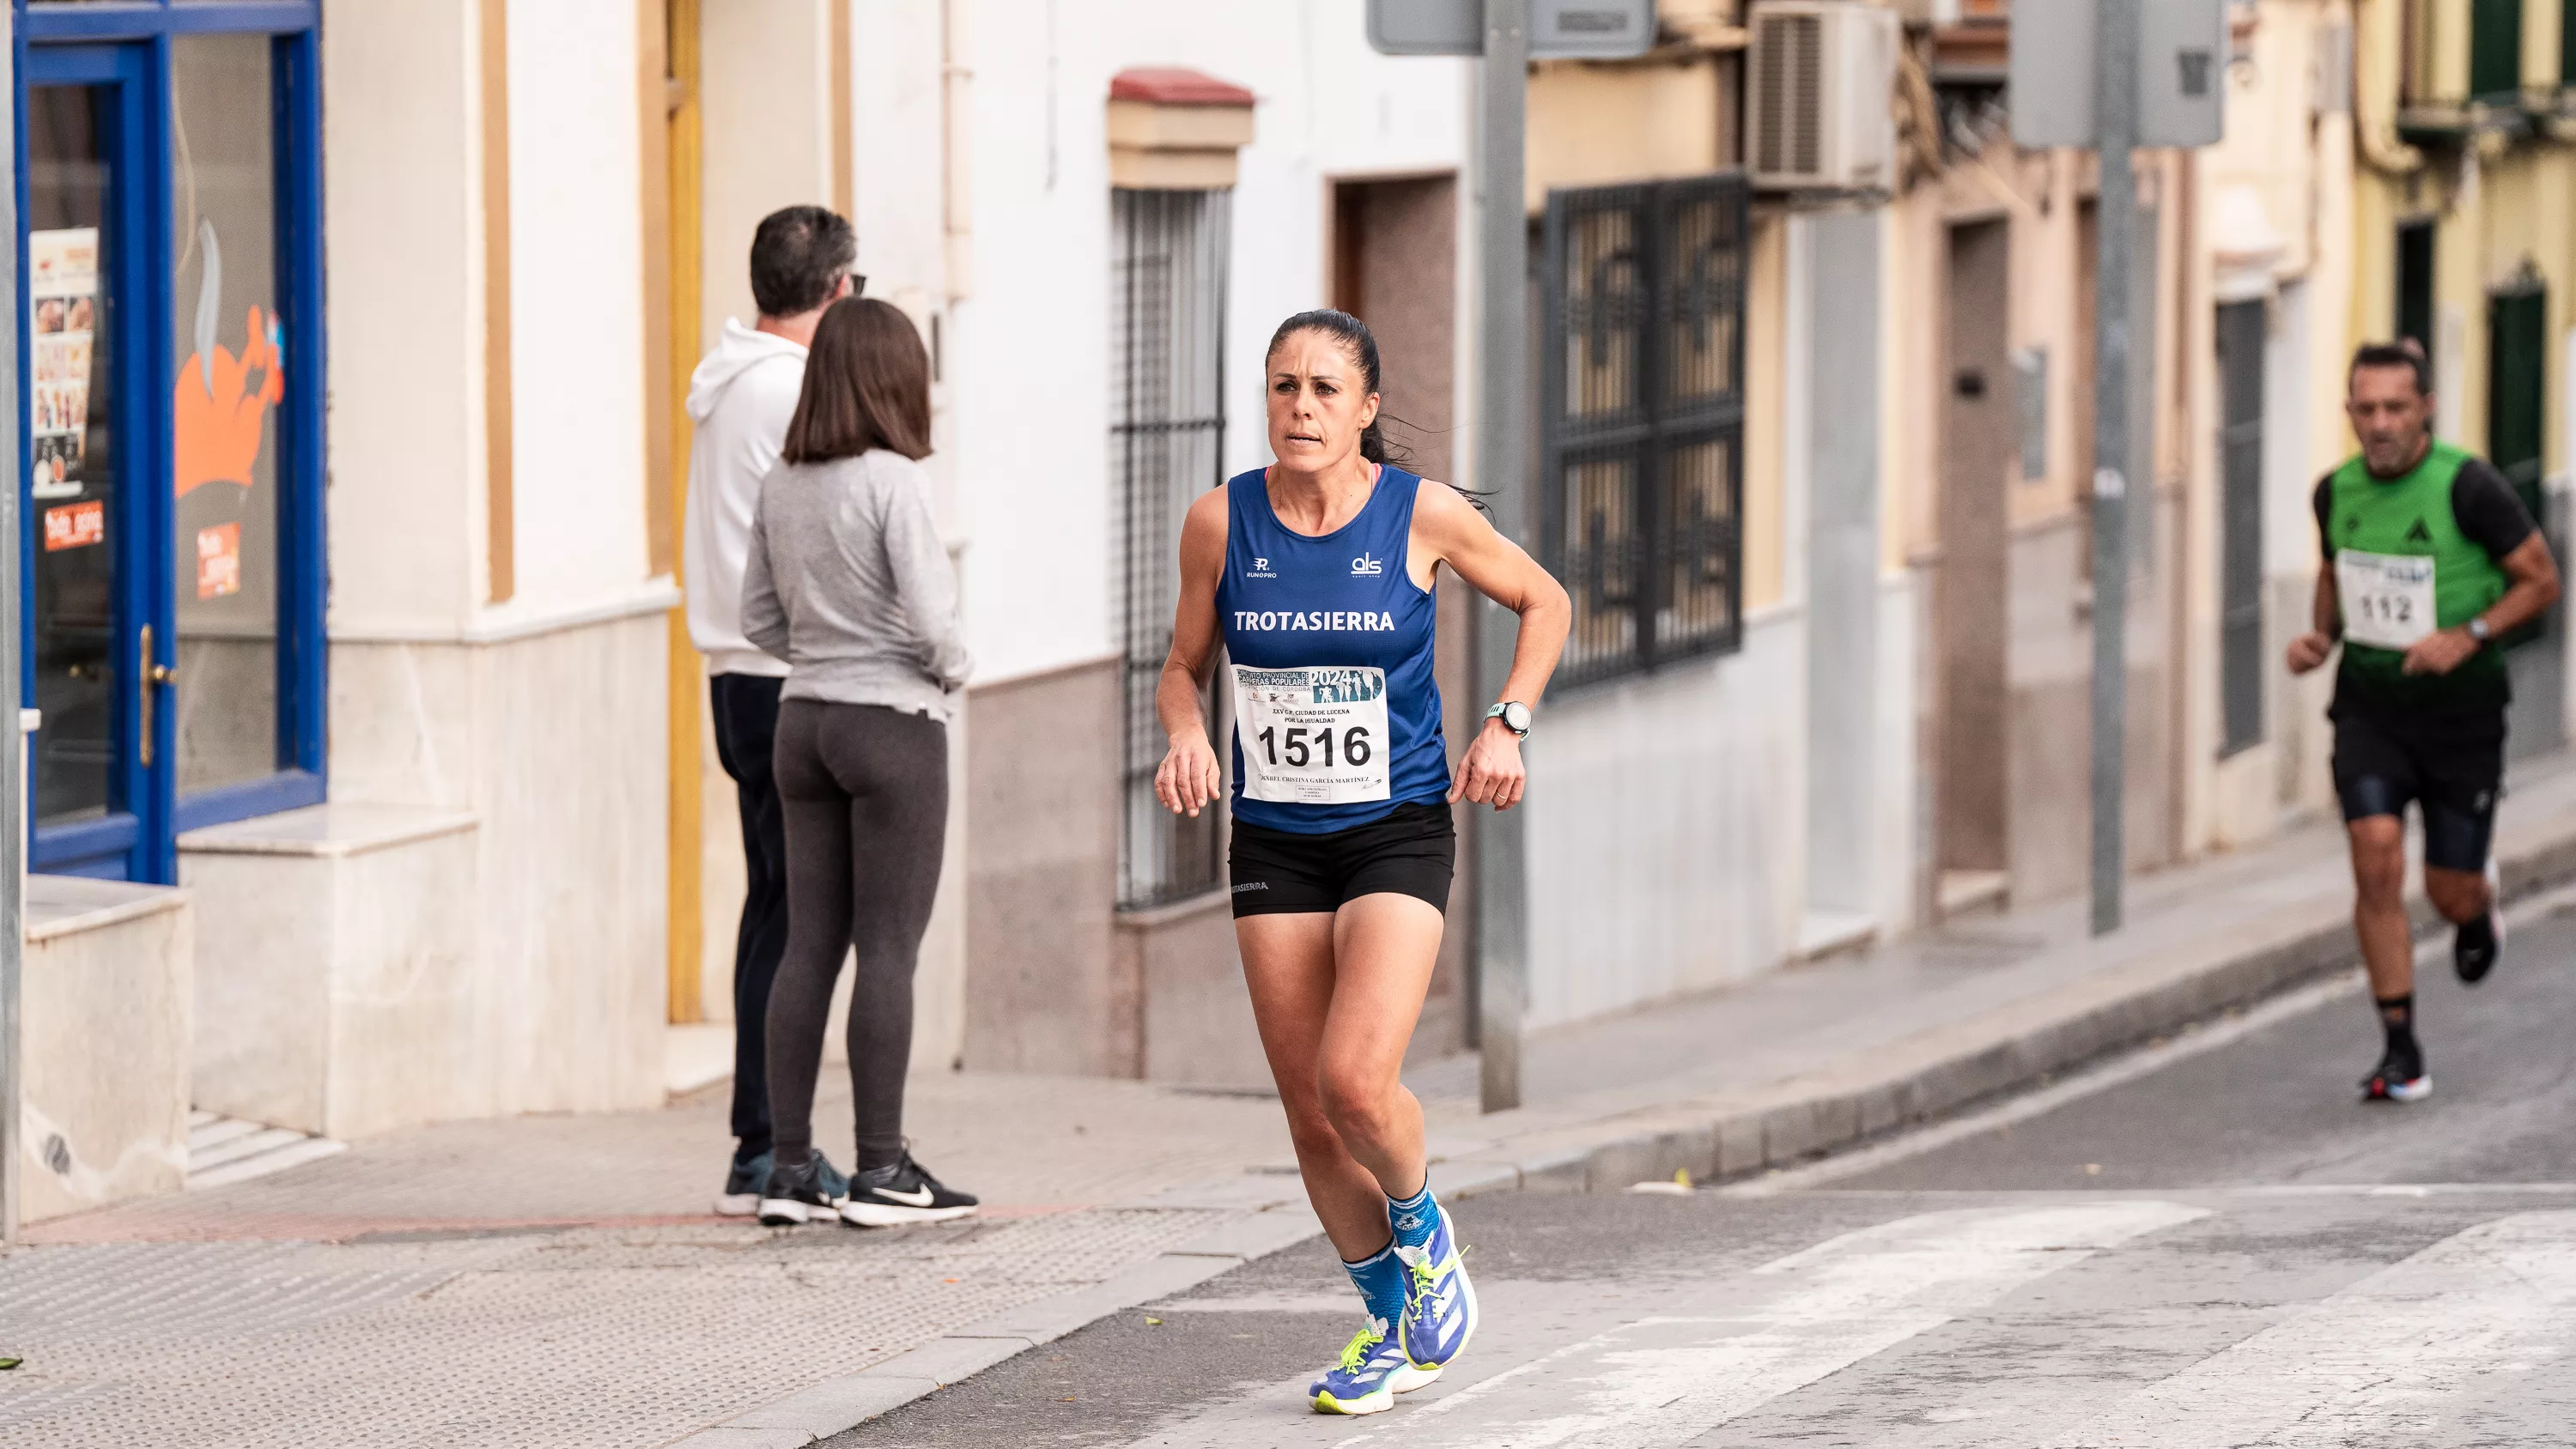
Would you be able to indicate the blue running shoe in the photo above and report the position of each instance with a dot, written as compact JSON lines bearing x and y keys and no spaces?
{"x":1372,"y":1371}
{"x":1440,"y":1311}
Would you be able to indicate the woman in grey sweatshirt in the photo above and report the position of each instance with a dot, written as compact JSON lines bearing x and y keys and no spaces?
{"x":847,"y":581}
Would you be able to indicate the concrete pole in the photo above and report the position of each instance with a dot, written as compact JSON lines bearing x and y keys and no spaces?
{"x":1502,"y":928}
{"x":2116,"y":83}
{"x":13,"y":739}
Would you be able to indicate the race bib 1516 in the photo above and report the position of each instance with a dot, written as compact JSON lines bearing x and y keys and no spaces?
{"x":1312,"y":736}
{"x":2387,"y":598}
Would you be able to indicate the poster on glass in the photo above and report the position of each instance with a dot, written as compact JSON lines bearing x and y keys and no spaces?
{"x":62,"y":302}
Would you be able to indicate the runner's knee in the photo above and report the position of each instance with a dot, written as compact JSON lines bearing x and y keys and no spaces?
{"x":1359,"y":1107}
{"x":2379,"y":859}
{"x":2458,"y":895}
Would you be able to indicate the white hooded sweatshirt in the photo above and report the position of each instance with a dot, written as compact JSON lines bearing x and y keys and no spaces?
{"x":740,"y":400}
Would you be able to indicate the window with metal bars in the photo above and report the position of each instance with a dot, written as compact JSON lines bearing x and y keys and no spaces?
{"x":1641,"y":419}
{"x":1167,"y":336}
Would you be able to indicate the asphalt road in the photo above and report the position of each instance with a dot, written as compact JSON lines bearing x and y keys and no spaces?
{"x":2216,"y":1246}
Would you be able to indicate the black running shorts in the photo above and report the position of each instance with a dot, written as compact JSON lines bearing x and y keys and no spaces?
{"x":1411,"y":850}
{"x":2452,"y":765}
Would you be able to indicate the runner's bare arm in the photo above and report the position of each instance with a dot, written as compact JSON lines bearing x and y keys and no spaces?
{"x":2534,"y":589}
{"x":1448,"y":529}
{"x":2310,"y":649}
{"x":1189,"y":779}
{"x":2535,"y":586}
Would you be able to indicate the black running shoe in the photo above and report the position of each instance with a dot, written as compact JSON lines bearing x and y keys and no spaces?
{"x":743,"y":1184}
{"x":803,"y":1194}
{"x":2399,"y":1077}
{"x":2476,"y":945}
{"x":900,"y":1195}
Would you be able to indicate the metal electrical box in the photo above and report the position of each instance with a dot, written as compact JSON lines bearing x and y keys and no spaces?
{"x":1559,"y":29}
{"x":2183,"y":52}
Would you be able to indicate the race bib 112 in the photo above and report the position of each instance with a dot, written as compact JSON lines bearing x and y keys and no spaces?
{"x":1312,"y":736}
{"x":2387,"y":598}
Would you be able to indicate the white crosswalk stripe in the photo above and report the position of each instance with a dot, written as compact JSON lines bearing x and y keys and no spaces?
{"x":1556,"y":1365}
{"x":2381,"y":1362}
{"x":1660,"y":1380}
{"x":2448,"y":1347}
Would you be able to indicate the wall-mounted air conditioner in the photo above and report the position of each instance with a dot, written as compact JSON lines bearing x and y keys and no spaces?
{"x":1818,"y":96}
{"x":1929,"y":12}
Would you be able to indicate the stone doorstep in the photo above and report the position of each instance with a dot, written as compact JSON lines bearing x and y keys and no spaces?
{"x":1708,"y":1138}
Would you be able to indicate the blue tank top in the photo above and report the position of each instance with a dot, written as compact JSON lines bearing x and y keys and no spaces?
{"x":1329,"y":660}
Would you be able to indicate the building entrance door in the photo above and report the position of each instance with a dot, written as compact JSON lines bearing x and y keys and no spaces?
{"x":1971,"y":619}
{"x":98,"y":634}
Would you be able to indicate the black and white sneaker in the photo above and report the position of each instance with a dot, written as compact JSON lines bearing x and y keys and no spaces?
{"x":901,"y":1195}
{"x":2477,"y":945}
{"x":2399,"y":1077}
{"x":812,"y":1192}
{"x":743,"y":1184}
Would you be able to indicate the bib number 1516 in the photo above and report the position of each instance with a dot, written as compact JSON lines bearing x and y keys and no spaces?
{"x":1303,"y":746}
{"x":1312,"y":736}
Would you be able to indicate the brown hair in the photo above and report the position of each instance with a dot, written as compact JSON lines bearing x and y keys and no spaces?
{"x":867,"y":385}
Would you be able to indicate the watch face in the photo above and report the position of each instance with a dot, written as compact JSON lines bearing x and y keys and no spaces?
{"x":1516,"y":717}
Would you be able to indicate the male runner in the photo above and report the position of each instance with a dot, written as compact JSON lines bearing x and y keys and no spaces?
{"x":2430,"y":560}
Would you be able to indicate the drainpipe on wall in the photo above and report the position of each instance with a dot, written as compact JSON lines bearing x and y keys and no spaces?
{"x":2375,"y":133}
{"x":956,"y":133}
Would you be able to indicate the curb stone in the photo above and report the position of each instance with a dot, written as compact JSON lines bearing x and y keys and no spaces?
{"x":1810,"y":1116}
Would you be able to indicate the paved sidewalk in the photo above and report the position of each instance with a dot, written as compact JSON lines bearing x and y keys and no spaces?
{"x":557,"y":1281}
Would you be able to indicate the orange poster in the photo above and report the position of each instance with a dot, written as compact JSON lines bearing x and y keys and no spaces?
{"x":76,"y":525}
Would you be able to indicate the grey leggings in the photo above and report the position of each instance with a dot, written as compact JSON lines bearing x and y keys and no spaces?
{"x":865,"y":794}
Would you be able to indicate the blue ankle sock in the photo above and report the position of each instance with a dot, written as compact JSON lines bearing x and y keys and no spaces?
{"x":1381,"y":1280}
{"x":1414,"y":1218}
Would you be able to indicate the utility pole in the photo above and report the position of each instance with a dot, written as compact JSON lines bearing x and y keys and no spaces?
{"x":1502,"y":467}
{"x":13,"y":739}
{"x":2115,"y":77}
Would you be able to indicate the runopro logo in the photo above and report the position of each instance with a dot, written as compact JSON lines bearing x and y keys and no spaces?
{"x":1365,"y":566}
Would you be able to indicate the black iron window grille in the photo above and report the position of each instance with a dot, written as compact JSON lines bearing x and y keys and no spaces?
{"x":1641,"y":419}
{"x":1167,"y":334}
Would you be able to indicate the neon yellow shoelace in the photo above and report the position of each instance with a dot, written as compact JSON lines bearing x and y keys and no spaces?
{"x":1362,"y":1342}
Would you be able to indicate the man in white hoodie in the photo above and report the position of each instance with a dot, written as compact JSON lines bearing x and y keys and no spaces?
{"x":740,"y":400}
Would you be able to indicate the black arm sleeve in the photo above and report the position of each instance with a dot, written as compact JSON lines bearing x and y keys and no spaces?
{"x":2489,"y":511}
{"x":2323,"y":502}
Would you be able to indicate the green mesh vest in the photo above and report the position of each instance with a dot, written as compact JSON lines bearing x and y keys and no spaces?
{"x":2410,"y":517}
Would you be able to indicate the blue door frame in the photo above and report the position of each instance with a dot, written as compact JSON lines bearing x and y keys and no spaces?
{"x":125,"y":45}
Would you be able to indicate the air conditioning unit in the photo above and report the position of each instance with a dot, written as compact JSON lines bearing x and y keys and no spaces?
{"x":1929,"y":12}
{"x":1819,"y":92}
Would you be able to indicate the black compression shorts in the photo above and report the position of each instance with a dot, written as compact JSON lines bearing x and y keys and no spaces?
{"x":1411,"y":850}
{"x":2453,"y":765}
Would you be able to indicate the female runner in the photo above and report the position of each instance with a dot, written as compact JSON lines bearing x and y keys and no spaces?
{"x":1316,"y":576}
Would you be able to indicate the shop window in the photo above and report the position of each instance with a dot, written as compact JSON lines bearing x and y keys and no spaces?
{"x":1167,"y":335}
{"x":1641,"y":419}
{"x":170,"y":247}
{"x":2495,"y":51}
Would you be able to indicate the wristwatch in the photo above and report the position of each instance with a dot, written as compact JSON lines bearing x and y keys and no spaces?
{"x":1514,"y":715}
{"x":2478,"y":628}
